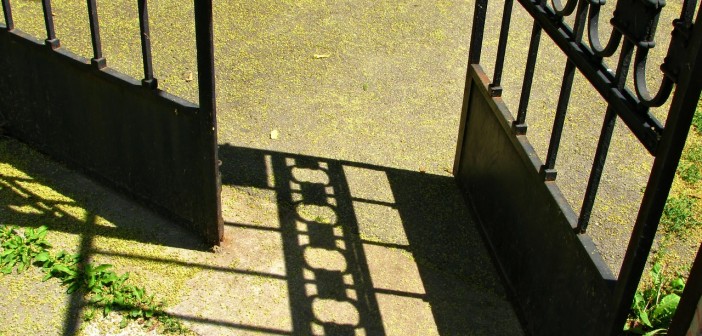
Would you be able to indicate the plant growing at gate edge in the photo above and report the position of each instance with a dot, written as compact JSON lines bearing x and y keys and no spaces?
{"x":653,"y":307}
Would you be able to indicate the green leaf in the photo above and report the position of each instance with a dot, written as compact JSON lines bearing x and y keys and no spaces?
{"x":102,"y":268}
{"x":73,"y":287}
{"x":678,"y":284}
{"x":663,"y":312}
{"x":655,"y":332}
{"x":643,"y":316}
{"x":96,"y":298}
{"x":64,"y":269}
{"x":43,"y":256}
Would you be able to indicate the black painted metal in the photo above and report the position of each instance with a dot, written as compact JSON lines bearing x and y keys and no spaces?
{"x":520,"y":126}
{"x":7,"y":12}
{"x":149,"y":80}
{"x":211,"y":181}
{"x":495,"y":88}
{"x":557,"y":275}
{"x":152,"y":145}
{"x":689,"y":301}
{"x":605,"y":138}
{"x":548,"y":169}
{"x":476,"y":42}
{"x":558,"y":278}
{"x":51,"y":39}
{"x":682,"y":109}
{"x":98,"y":60}
{"x":639,"y":120}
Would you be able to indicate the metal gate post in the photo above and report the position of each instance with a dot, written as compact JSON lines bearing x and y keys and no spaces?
{"x":211,"y":180}
{"x":668,"y":155}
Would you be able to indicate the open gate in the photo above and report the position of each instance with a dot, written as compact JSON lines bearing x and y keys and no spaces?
{"x":558,"y":278}
{"x":163,"y":149}
{"x":153,"y":145}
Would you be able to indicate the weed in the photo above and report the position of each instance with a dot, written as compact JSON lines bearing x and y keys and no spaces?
{"x":693,"y":154}
{"x":689,"y":172}
{"x":103,"y":288}
{"x":20,"y":250}
{"x":653,"y":307}
{"x":678,"y":214}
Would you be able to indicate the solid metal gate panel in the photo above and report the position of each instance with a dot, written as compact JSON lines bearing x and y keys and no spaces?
{"x":558,"y":278}
{"x":137,"y":138}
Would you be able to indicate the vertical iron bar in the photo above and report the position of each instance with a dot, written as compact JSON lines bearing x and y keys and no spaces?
{"x":519,"y":125}
{"x":668,"y":154}
{"x":51,"y":39}
{"x":211,"y":183}
{"x":476,"y":44}
{"x":7,"y":10}
{"x":547,"y":170}
{"x":476,"y":36}
{"x":98,"y":60}
{"x":149,"y":80}
{"x":605,"y":139}
{"x":495,"y":87}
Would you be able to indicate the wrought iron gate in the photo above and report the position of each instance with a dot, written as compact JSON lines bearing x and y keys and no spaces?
{"x":157,"y":147}
{"x":559,"y":280}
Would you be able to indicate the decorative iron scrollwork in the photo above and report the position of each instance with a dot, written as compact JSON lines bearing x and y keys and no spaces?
{"x":636,"y":21}
{"x":562,"y":10}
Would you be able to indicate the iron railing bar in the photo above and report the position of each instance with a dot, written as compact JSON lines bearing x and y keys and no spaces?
{"x":98,"y":60}
{"x":495,"y":87}
{"x":604,"y":141}
{"x":682,"y":110}
{"x":640,"y":121}
{"x":548,"y":169}
{"x":519,"y":125}
{"x":51,"y":39}
{"x":477,"y":34}
{"x":211,"y":179}
{"x":149,"y":80}
{"x":7,"y":10}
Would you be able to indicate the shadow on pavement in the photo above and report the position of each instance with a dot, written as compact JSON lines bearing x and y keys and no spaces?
{"x":354,"y":249}
{"x":371,"y":249}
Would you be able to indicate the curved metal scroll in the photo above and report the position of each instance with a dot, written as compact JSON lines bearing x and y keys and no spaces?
{"x":593,"y":23}
{"x":562,"y":10}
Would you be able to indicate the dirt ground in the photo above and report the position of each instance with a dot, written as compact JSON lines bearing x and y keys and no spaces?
{"x":364,"y":96}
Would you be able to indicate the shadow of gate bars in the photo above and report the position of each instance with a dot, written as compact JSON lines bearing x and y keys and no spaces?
{"x":154,"y":145}
{"x":559,"y":280}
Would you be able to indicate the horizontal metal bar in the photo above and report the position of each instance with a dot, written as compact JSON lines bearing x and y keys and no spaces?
{"x":636,"y":116}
